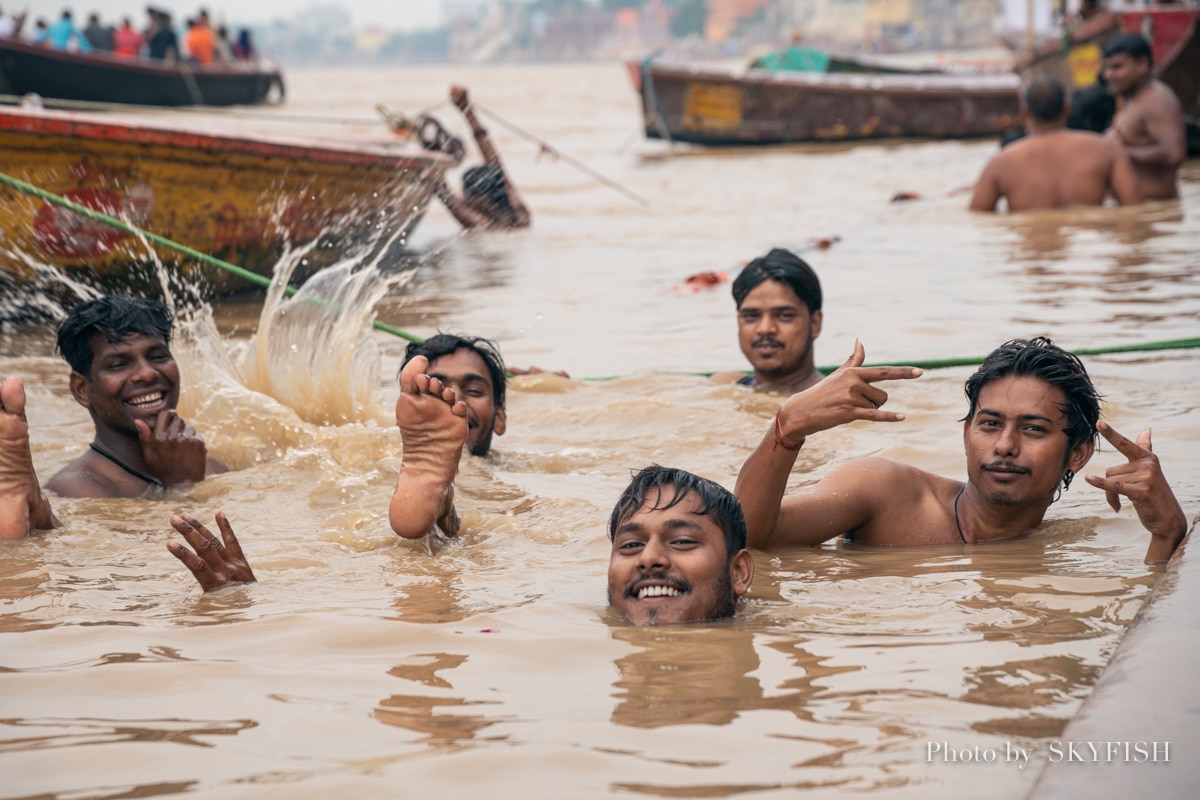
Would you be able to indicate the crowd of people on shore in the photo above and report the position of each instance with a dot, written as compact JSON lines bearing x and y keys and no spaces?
{"x":201,"y":44}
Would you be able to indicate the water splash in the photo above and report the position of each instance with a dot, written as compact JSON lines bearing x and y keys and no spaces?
{"x":314,"y":352}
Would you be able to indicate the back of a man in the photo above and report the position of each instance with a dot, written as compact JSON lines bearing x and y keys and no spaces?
{"x":1055,"y":167}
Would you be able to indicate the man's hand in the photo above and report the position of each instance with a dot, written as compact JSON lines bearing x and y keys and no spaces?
{"x":1142,"y":481}
{"x":845,"y":396}
{"x":458,"y":94}
{"x":175,"y":453}
{"x":213,"y":565}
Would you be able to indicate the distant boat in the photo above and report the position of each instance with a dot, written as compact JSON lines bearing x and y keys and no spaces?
{"x":241,"y":199}
{"x":853,"y":100}
{"x":27,"y":68}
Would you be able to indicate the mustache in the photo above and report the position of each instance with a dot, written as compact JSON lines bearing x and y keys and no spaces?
{"x":1007,"y":466}
{"x":770,"y":340}
{"x":659,"y":578}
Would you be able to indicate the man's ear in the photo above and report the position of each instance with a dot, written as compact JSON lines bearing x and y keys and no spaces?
{"x":741,"y":571}
{"x":1081,"y":455}
{"x":81,"y":390}
{"x":500,"y":421}
{"x":814,"y":325}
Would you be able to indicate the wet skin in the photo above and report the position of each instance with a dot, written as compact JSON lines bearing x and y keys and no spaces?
{"x":465,"y":372}
{"x":669,"y":566}
{"x":1016,"y":444}
{"x":776,"y":332}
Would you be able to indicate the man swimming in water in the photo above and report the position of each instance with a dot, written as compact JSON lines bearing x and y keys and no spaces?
{"x":778,"y":298}
{"x":1149,"y":120}
{"x":1054,"y":167}
{"x":488,"y":200}
{"x":1031,"y":425}
{"x":123,"y":373}
{"x":678,"y":541}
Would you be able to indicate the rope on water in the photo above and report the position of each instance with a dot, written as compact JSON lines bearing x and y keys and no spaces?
{"x":245,"y":274}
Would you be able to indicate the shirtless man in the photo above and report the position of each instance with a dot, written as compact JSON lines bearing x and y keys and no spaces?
{"x":1149,"y":120}
{"x":778,"y":299}
{"x":123,"y":373}
{"x":678,"y":541}
{"x":1031,"y":425}
{"x":489,"y":199}
{"x":1054,"y":167}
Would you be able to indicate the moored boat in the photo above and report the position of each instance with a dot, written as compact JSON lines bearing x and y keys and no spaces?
{"x":27,"y":68}
{"x":713,"y":106}
{"x":241,"y":199}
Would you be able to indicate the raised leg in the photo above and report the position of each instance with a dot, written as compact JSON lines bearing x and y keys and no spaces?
{"x":433,"y":428}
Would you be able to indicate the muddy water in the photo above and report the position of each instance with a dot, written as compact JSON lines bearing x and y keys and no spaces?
{"x":365,"y":666}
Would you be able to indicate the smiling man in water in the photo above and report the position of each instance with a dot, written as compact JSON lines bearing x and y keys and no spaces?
{"x":123,"y":373}
{"x":678,"y":541}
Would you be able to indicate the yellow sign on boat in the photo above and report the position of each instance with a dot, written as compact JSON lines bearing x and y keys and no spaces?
{"x":711,"y":106}
{"x":1085,"y":62}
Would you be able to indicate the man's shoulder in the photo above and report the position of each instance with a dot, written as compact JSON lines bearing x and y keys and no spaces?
{"x":84,"y":477}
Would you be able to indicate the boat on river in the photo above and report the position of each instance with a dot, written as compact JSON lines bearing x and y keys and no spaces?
{"x":27,"y":68}
{"x":710,"y":105}
{"x":241,"y":199}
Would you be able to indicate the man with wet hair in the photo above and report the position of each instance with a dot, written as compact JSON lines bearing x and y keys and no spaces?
{"x":1149,"y":123}
{"x":1031,"y":424}
{"x":778,"y":299}
{"x":489,"y":199}
{"x":123,"y":373}
{"x":678,"y":549}
{"x":468,"y":373}
{"x":1054,"y":167}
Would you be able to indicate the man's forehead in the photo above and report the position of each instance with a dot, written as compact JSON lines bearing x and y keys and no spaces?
{"x":462,"y":363}
{"x":1028,"y":390}
{"x":771,"y":293}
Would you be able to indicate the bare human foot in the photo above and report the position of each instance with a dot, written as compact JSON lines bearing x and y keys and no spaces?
{"x":433,"y":428}
{"x":23,"y":507}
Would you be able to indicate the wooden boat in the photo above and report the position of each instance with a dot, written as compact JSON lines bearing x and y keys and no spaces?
{"x":240,"y":199}
{"x":27,"y":68}
{"x":713,"y":106}
{"x":1174,"y":34}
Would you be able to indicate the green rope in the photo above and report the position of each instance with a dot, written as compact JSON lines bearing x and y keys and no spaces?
{"x":245,"y":274}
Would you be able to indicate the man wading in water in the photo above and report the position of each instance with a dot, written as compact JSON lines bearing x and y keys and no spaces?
{"x":1031,"y":424}
{"x":123,"y":373}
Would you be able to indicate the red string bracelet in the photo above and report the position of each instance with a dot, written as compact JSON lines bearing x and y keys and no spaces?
{"x":781,"y":440}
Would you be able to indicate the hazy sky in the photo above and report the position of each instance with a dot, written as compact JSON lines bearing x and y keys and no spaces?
{"x":391,"y":14}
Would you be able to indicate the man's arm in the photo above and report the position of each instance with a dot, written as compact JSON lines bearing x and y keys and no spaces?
{"x":466,"y":216}
{"x":1141,"y":480}
{"x":845,"y":396}
{"x":458,"y":94}
{"x":1122,"y":181}
{"x":987,"y":189}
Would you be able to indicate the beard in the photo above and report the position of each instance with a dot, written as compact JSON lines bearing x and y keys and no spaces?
{"x":483,"y":443}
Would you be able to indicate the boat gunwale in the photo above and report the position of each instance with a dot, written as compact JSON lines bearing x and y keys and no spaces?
{"x":71,"y":126}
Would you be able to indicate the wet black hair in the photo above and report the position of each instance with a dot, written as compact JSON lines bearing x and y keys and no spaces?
{"x":443,"y":344}
{"x":783,"y":266}
{"x":1045,"y":98}
{"x":719,"y":502}
{"x":113,"y":316}
{"x":487,"y":181}
{"x":1043,"y":359}
{"x":1133,"y":45}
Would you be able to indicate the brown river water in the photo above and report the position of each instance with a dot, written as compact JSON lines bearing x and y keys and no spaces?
{"x":365,"y":666}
